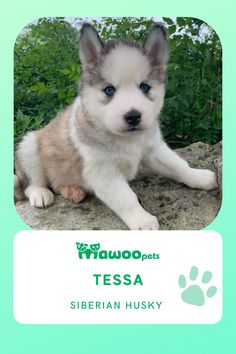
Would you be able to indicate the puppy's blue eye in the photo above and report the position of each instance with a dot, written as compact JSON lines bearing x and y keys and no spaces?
{"x":110,"y":91}
{"x":144,"y":87}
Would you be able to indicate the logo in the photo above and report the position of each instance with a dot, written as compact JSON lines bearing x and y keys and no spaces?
{"x":93,"y":251}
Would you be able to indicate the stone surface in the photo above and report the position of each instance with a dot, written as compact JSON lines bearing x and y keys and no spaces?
{"x":176,"y":206}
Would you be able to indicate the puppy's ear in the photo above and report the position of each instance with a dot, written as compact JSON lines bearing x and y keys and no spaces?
{"x":156,"y":44}
{"x":90,"y":45}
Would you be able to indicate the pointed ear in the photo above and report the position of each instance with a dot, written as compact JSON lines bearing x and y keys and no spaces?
{"x":90,"y":44}
{"x":156,"y":44}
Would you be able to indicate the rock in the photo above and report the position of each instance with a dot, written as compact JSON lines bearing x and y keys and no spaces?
{"x":176,"y":206}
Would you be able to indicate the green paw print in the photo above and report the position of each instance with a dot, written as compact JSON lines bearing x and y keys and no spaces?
{"x":194,"y":294}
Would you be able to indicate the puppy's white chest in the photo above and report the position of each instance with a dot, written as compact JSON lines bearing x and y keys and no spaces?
{"x":128,"y":168}
{"x":128,"y":162}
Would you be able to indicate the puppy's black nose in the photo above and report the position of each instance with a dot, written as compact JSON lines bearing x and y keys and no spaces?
{"x":133,"y":117}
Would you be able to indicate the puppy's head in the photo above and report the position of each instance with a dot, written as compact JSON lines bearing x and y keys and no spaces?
{"x":122,"y":84}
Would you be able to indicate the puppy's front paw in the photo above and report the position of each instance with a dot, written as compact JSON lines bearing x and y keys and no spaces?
{"x":149,"y":223}
{"x":201,"y":179}
{"x":39,"y":197}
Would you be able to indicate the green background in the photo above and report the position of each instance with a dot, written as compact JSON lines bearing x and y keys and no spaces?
{"x":172,"y":339}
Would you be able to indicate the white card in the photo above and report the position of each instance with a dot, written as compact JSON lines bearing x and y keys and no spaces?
{"x":79,"y":277}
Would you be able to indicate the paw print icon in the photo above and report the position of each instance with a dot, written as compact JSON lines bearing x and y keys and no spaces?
{"x":196,"y":291}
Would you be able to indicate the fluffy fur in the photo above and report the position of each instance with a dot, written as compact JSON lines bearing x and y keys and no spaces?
{"x":93,"y":146}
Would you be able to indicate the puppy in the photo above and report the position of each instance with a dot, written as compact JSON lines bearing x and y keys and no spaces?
{"x":98,"y":143}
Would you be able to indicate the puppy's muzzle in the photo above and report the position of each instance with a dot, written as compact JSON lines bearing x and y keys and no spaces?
{"x":132,"y":118}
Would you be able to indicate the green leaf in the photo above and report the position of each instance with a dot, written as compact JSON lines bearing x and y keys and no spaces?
{"x":168,"y":20}
{"x":181,"y":21}
{"x":171,"y":29}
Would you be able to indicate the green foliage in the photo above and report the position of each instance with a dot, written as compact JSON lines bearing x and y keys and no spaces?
{"x":192,"y":110}
{"x":26,"y":123}
{"x":47,"y":71}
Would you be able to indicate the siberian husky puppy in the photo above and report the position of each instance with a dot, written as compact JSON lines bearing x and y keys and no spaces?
{"x":98,"y":143}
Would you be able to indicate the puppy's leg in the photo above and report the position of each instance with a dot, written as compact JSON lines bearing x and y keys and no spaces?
{"x":39,"y":196}
{"x":18,"y":191}
{"x":112,"y":188}
{"x":72,"y":192}
{"x":161,"y":159}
